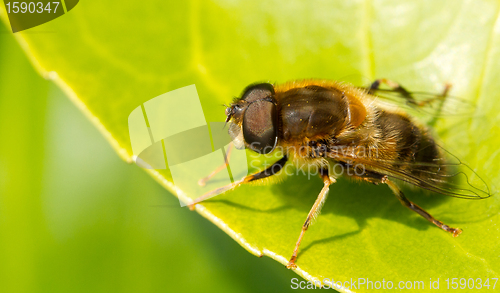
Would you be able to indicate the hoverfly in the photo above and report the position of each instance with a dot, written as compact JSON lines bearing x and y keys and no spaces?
{"x":327,"y":123}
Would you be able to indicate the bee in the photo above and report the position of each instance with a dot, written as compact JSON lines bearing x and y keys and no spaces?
{"x":328,"y":123}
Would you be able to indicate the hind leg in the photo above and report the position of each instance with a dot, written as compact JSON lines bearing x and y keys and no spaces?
{"x":407,"y":203}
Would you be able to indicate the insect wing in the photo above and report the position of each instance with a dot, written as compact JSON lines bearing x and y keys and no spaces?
{"x":452,"y":178}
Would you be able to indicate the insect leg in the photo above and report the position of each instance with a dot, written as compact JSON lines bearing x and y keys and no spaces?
{"x":313,"y":213}
{"x":396,"y":87}
{"x":271,"y":170}
{"x":227,"y":156}
{"x":402,"y":198}
{"x":442,"y":96}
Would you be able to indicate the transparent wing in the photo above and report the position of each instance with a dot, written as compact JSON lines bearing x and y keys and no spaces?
{"x":450,"y":177}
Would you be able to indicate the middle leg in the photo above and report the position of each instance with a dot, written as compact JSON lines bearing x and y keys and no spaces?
{"x":313,"y":213}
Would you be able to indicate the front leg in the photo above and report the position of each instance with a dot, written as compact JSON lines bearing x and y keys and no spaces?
{"x":227,"y":156}
{"x":272,"y":170}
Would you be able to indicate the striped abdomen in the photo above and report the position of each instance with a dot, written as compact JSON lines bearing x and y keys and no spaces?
{"x":413,"y":147}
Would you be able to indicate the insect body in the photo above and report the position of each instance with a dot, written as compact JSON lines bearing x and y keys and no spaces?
{"x":325,"y":124}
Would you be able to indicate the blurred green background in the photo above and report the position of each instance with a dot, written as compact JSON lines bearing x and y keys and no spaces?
{"x":75,"y":218}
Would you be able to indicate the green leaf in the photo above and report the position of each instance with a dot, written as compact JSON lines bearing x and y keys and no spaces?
{"x":110,"y":57}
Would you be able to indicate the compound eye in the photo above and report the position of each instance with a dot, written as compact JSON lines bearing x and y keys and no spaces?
{"x":260,"y":126}
{"x":257,"y":92}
